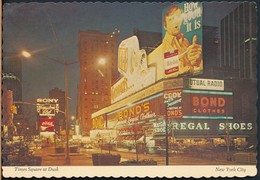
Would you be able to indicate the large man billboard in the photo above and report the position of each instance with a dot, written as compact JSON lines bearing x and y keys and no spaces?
{"x":180,"y":52}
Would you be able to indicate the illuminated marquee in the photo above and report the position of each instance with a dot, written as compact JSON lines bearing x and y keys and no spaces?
{"x":46,"y":124}
{"x":98,"y":122}
{"x":207,"y":84}
{"x":138,"y":112}
{"x":206,"y":128}
{"x":207,"y":104}
{"x":47,"y":107}
{"x":173,"y":102}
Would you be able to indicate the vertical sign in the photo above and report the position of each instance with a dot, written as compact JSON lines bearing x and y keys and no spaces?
{"x":173,"y":101}
{"x":47,"y":107}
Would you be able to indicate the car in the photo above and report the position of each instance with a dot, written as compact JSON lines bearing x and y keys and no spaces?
{"x":162,"y":151}
{"x":88,"y":146}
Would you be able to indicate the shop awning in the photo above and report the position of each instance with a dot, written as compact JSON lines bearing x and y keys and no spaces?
{"x":119,"y":138}
{"x":128,"y":137}
{"x":158,"y":138}
{"x":141,"y":138}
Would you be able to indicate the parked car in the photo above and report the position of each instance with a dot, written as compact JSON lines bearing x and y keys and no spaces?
{"x":162,"y":151}
{"x":88,"y":146}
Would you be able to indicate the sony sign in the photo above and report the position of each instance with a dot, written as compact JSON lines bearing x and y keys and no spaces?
{"x":47,"y":106}
{"x":47,"y":100}
{"x":207,"y":84}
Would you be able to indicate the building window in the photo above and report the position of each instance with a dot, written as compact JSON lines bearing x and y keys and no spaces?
{"x":95,"y":106}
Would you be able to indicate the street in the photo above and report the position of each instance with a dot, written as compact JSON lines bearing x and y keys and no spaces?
{"x":84,"y":158}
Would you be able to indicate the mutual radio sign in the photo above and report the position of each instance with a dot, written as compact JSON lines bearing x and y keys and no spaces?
{"x":207,"y":84}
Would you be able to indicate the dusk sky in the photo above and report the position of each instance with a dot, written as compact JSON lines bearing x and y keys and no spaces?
{"x":52,"y":29}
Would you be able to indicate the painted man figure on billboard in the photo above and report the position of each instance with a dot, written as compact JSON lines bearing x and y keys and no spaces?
{"x":177,"y":55}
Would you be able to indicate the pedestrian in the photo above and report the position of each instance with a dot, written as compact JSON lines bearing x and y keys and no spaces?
{"x":47,"y":141}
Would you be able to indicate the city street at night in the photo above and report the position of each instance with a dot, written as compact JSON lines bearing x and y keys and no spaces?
{"x":129,"y":84}
{"x":84,"y":158}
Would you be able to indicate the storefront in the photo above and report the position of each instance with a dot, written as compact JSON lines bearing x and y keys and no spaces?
{"x":197,"y":116}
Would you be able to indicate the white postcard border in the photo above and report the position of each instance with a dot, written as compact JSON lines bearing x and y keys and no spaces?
{"x":194,"y":171}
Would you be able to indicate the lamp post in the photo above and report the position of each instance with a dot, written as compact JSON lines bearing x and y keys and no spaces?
{"x":66,"y":65}
{"x":166,"y":136}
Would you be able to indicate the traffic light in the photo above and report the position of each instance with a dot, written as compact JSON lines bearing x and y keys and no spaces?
{"x":14,"y":109}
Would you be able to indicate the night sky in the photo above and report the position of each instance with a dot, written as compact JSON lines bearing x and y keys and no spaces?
{"x":52,"y":29}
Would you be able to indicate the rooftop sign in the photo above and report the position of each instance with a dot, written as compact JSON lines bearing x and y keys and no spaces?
{"x":47,"y":107}
{"x":132,"y":64}
{"x":207,"y":84}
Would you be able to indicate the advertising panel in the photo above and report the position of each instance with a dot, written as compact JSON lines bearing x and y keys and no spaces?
{"x":210,"y":128}
{"x":173,"y":103}
{"x":47,"y":124}
{"x":132,"y":64}
{"x":98,"y":122}
{"x":207,"y":84}
{"x":159,"y":128}
{"x":207,"y":104}
{"x":47,"y":107}
{"x":146,"y":109}
{"x":204,"y":128}
{"x":181,"y":50}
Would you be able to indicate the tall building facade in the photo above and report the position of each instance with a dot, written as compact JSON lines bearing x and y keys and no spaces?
{"x":238,"y":61}
{"x":59,"y":119}
{"x":238,"y":40}
{"x":211,"y":46}
{"x":12,"y":75}
{"x":97,"y":54}
{"x":12,"y":81}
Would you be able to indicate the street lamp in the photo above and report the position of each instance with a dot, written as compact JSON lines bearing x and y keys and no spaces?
{"x":26,"y":54}
{"x":65,"y":64}
{"x":166,"y":135}
{"x":102,"y":61}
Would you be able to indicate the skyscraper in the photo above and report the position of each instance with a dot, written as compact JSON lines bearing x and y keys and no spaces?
{"x":12,"y":74}
{"x":238,"y":40}
{"x":12,"y":80}
{"x":98,"y":70}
